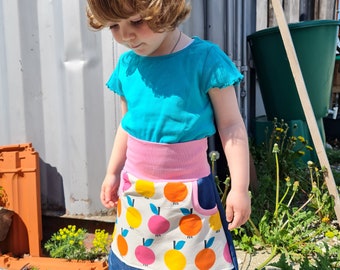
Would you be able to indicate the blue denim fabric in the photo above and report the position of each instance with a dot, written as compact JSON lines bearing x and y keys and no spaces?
{"x":117,"y":264}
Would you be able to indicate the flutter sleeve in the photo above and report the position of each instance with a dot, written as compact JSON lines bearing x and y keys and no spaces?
{"x":219,"y":71}
{"x":114,"y":82}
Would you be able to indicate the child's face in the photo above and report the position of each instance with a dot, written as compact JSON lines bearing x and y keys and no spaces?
{"x":135,"y":34}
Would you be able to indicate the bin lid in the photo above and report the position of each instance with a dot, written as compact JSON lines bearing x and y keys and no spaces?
{"x":294,"y":26}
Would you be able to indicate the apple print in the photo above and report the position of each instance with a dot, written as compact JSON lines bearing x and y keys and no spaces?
{"x":157,"y":224}
{"x":144,"y":254}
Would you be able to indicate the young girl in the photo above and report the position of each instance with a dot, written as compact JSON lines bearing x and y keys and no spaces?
{"x":169,"y":214}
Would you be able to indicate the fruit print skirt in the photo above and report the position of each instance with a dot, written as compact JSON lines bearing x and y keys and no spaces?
{"x":169,"y":214}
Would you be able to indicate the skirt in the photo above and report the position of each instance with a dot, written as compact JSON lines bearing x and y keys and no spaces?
{"x":169,"y":213}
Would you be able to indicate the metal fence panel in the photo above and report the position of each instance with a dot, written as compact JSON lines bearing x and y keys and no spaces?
{"x":53,"y":71}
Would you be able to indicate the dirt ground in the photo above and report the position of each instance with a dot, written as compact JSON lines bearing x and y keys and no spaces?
{"x":250,"y":262}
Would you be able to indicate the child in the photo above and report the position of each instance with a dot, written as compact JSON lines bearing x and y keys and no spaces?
{"x":169,"y":214}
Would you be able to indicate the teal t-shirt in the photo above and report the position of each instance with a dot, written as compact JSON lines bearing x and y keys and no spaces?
{"x":167,"y":96}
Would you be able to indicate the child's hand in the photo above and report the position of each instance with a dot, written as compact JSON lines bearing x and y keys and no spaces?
{"x":109,"y":191}
{"x":238,"y":208}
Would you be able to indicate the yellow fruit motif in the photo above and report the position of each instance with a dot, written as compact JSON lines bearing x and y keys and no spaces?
{"x":145,"y":188}
{"x":174,"y":259}
{"x":133,"y":216}
{"x":215,"y":222}
{"x":114,"y":232}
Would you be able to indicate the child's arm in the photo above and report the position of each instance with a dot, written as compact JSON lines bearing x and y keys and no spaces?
{"x":110,"y":185}
{"x":234,"y":139}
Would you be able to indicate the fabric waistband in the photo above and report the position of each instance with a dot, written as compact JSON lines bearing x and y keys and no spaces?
{"x":187,"y":160}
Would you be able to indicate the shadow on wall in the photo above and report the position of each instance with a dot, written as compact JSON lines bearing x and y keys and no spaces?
{"x":52,"y":190}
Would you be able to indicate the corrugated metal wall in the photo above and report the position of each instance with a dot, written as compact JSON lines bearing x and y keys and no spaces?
{"x":52,"y":93}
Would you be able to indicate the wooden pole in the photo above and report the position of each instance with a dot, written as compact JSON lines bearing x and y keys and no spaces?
{"x":306,"y":104}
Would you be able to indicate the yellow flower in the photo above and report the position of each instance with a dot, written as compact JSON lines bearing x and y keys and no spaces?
{"x":301,"y":153}
{"x":279,"y":129}
{"x":301,"y":139}
{"x":288,"y":182}
{"x":329,"y":234}
{"x":309,"y":148}
{"x":325,"y":220}
{"x":295,"y":186}
{"x":71,"y":242}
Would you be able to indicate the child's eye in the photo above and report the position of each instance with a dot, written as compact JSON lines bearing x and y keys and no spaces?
{"x":113,"y":26}
{"x":137,"y":22}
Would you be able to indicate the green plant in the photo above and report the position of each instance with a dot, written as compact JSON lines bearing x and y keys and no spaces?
{"x":294,"y":225}
{"x":223,"y":188}
{"x":68,"y":243}
{"x":100,"y":244}
{"x":293,"y":149}
{"x":334,"y":158}
{"x":292,"y":207}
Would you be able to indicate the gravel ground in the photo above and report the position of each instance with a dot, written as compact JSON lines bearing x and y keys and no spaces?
{"x":250,"y":262}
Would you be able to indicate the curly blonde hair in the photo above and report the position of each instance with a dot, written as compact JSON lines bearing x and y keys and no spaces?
{"x":160,"y":15}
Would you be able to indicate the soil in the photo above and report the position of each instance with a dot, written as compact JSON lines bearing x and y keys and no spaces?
{"x":251,"y":261}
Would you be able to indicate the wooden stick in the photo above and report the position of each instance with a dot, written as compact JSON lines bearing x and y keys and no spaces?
{"x":306,"y":104}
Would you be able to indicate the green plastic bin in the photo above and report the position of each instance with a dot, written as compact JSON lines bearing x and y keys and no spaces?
{"x":315,"y":45}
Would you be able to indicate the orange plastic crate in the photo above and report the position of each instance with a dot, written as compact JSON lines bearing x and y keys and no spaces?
{"x":20,"y":178}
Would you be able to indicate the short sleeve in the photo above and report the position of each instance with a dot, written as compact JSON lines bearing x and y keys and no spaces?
{"x":219,"y":71}
{"x":114,"y":83}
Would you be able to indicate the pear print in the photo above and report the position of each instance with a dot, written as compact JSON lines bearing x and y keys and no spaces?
{"x":173,"y":258}
{"x":190,"y":224}
{"x":157,"y":224}
{"x":144,"y":254}
{"x":206,"y":258}
{"x":133,"y":216}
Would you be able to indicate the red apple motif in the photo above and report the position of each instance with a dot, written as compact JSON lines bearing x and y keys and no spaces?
{"x":144,"y":254}
{"x":157,"y":224}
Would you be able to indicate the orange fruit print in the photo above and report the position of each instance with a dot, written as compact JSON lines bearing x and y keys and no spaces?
{"x":175,"y":191}
{"x":121,"y":243}
{"x":119,"y":207}
{"x":190,"y":224}
{"x":206,"y":258}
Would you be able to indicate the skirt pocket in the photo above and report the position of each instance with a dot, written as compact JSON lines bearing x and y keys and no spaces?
{"x":204,"y":198}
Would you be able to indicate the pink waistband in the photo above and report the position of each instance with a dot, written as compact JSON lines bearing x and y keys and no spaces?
{"x":186,"y":160}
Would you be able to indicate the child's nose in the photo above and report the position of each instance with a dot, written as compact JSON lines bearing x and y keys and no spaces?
{"x":127,"y":33}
